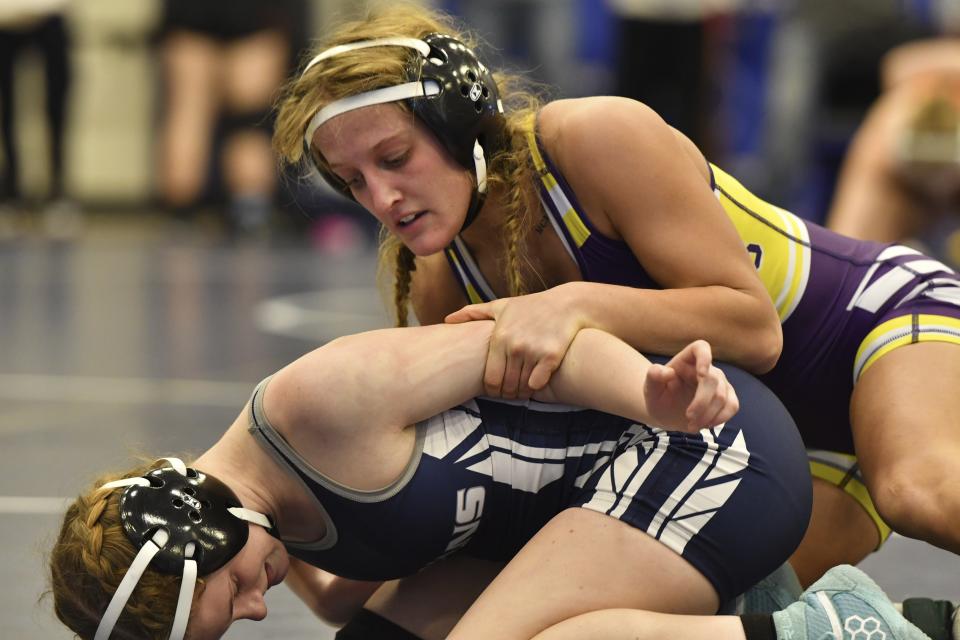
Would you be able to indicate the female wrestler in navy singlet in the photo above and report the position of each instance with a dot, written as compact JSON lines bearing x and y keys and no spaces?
{"x":371,"y":458}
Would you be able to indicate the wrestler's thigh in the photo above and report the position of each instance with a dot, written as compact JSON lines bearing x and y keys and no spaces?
{"x":906,"y":411}
{"x":631,"y":624}
{"x":583,"y":561}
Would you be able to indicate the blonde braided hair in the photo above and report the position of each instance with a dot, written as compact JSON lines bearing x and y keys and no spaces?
{"x":405,"y":265}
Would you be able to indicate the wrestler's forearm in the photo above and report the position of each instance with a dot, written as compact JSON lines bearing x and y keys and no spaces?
{"x":741,"y":325}
{"x":602,"y":372}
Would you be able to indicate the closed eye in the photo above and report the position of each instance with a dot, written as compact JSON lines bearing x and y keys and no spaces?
{"x":394,"y":162}
{"x":357,"y":182}
{"x":351,"y":181}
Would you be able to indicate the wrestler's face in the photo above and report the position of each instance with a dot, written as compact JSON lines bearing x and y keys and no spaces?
{"x":235,"y":590}
{"x":400,"y":172}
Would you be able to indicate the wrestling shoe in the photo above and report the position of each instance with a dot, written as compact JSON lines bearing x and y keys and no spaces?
{"x":845,"y":604}
{"x":774,"y":593}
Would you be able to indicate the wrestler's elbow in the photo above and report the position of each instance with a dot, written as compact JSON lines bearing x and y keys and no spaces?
{"x":763,"y":348}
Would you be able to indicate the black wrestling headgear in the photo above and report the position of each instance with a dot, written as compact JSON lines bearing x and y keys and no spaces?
{"x":451,"y":91}
{"x":182,"y":521}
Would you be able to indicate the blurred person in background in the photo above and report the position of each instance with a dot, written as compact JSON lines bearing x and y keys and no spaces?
{"x":662,"y":58}
{"x":901,"y":178}
{"x":223,"y":63}
{"x":538,"y":37}
{"x":823,"y":78}
{"x":26,"y":25}
{"x":704,"y":66}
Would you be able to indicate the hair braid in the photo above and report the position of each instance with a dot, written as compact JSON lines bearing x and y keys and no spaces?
{"x":513,"y":170}
{"x":91,"y":552}
{"x":401,"y":295}
{"x":513,"y":229}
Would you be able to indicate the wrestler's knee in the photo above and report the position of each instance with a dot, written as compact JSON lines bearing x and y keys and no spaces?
{"x":916,"y":498}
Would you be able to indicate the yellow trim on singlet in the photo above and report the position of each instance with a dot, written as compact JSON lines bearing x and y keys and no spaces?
{"x":898,"y":332}
{"x":571,"y":217}
{"x":854,"y":487}
{"x":578,"y":230}
{"x":538,"y":162}
{"x":472,"y":293}
{"x":781,"y":237}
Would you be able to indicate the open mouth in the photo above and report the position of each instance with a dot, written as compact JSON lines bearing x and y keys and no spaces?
{"x":407,"y":220}
{"x":276,"y":569}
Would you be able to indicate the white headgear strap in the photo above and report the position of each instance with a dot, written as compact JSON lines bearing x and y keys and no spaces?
{"x":129,"y":583}
{"x":185,"y":600}
{"x":410,"y":43}
{"x":376,"y":96}
{"x":395,"y":93}
{"x":151,"y":548}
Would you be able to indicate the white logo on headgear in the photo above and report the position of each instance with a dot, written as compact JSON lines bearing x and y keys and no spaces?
{"x":476,"y":91}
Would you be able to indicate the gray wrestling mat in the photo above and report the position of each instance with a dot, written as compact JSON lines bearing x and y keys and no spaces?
{"x":127,"y":341}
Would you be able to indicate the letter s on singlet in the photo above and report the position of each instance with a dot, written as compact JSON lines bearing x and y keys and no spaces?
{"x":470,"y":504}
{"x":468,"y":513}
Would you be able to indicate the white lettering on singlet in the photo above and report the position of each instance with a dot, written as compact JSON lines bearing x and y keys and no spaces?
{"x":469,"y":510}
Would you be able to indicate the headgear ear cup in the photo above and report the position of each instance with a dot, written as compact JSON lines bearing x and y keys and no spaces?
{"x":193,"y":508}
{"x":468,"y":108}
{"x":182,"y":522}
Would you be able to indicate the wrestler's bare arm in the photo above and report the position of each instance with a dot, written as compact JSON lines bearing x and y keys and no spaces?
{"x":333,"y":599}
{"x":602,"y":372}
{"x":397,"y":377}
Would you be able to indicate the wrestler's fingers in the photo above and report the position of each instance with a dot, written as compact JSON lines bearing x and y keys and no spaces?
{"x":493,"y":372}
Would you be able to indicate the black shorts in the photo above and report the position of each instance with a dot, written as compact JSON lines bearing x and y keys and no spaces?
{"x":367,"y":625}
{"x":228,"y":20}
